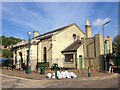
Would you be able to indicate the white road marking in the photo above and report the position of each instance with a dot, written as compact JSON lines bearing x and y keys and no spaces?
{"x":3,"y":80}
{"x":20,"y":84}
{"x":8,"y":80}
{"x":26,"y":85}
{"x":19,"y":77}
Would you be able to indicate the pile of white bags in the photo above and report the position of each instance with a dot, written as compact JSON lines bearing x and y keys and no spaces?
{"x":49,"y":75}
{"x":62,"y":74}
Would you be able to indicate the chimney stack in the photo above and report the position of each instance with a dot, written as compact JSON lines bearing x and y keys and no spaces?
{"x":88,"y":29}
{"x":35,"y":33}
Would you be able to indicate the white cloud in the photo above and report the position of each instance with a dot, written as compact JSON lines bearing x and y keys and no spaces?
{"x":99,"y":21}
{"x":46,"y":16}
{"x":24,"y":17}
{"x":61,"y":14}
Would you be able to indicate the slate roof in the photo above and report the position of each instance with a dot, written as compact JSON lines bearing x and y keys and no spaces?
{"x":49,"y":34}
{"x":45,"y":37}
{"x":57,"y":30}
{"x":73,"y":47}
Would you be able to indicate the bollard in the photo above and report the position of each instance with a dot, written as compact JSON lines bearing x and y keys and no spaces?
{"x":89,"y":72}
{"x":42,"y":70}
{"x":56,"y":73}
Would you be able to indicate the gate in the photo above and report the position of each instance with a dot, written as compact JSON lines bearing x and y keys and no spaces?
{"x":81,"y":61}
{"x":116,"y":60}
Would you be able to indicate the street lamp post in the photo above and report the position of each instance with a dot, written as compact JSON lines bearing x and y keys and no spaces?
{"x":104,"y":46}
{"x":28,"y":70}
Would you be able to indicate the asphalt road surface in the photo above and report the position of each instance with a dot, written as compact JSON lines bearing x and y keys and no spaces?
{"x":109,"y":83}
{"x":13,"y":82}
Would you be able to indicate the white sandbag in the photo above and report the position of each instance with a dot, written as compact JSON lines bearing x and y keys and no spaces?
{"x":66,"y":73}
{"x":74,"y":76}
{"x":60,"y":76}
{"x":62,"y":72}
{"x":68,"y":76}
{"x":53,"y":76}
{"x":49,"y":75}
{"x":63,"y":76}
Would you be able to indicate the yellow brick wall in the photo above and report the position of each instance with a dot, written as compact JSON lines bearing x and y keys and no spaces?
{"x":45,"y":43}
{"x":62,"y":40}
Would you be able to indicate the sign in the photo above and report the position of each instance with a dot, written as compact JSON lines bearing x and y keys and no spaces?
{"x":63,"y":60}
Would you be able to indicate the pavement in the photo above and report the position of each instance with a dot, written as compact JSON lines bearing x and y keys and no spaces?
{"x":15,"y":82}
{"x":95,"y":75}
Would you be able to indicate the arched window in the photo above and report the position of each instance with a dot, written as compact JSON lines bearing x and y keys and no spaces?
{"x":45,"y":54}
{"x":74,"y":36}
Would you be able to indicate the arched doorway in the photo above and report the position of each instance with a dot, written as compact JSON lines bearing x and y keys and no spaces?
{"x":21,"y":60}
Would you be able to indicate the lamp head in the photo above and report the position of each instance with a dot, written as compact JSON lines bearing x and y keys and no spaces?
{"x":29,"y":33}
{"x":106,"y":22}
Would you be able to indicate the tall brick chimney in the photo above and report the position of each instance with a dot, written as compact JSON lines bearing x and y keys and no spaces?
{"x":35,"y":33}
{"x":88,"y":32}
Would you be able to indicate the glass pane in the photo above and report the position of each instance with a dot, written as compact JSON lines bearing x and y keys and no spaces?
{"x":68,"y":57}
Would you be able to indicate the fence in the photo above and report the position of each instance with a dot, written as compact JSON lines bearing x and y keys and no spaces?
{"x":8,"y":63}
{"x":116,"y":60}
{"x":5,"y":62}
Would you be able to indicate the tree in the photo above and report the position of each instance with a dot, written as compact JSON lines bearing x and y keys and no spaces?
{"x":6,"y":41}
{"x":7,"y":53}
{"x":116,"y":45}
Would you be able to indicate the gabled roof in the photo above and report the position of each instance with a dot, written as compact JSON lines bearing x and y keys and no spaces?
{"x":51,"y":33}
{"x":73,"y":47}
{"x":54,"y":31}
{"x":58,"y":30}
{"x":45,"y":37}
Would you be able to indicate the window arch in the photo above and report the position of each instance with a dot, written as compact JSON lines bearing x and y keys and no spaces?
{"x":74,"y":36}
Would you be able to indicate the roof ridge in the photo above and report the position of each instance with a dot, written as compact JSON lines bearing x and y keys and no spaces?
{"x":73,"y":46}
{"x":55,"y":30}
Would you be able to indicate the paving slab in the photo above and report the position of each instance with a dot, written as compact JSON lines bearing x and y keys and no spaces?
{"x":37,"y":76}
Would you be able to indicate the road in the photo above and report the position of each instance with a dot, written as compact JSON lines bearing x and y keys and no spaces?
{"x":109,"y":83}
{"x":13,"y":82}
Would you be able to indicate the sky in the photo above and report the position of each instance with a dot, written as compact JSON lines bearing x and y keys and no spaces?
{"x":18,"y":18}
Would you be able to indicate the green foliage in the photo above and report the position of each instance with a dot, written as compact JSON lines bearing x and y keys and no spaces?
{"x":116,"y":45}
{"x":7,"y":53}
{"x":6,"y":41}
